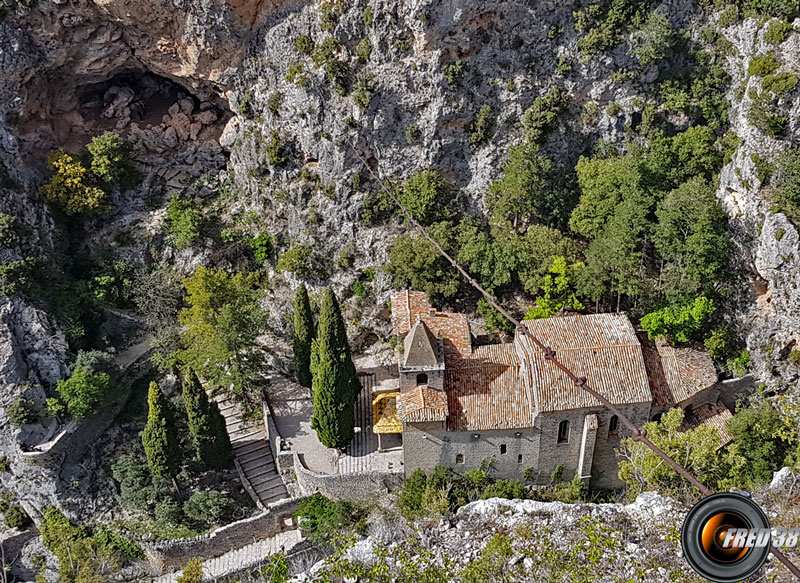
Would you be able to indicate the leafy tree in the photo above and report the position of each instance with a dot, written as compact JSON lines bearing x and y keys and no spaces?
{"x":491,"y":262}
{"x":111,"y":159}
{"x":528,"y":190}
{"x":415,"y":263}
{"x":263,"y":246}
{"x":303,"y":336}
{"x":688,"y":154}
{"x":206,"y":424}
{"x":696,"y":449}
{"x":558,"y":290}
{"x":222,"y":325}
{"x":690,"y":238}
{"x":16,"y":517}
{"x":758,"y":448}
{"x":335,"y":386}
{"x":493,"y":320}
{"x":84,"y":391}
{"x":138,"y":491}
{"x":426,"y":196}
{"x":73,"y":187}
{"x":160,"y":441}
{"x":183,"y":222}
{"x":679,"y":323}
{"x":534,"y":252}
{"x":654,"y":40}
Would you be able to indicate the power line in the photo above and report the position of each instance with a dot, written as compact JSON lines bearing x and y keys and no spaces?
{"x":638,"y":434}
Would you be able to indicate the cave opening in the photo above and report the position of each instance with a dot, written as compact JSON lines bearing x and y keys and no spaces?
{"x":132,"y":99}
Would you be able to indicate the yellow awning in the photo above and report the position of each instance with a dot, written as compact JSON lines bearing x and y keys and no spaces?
{"x":384,"y":413}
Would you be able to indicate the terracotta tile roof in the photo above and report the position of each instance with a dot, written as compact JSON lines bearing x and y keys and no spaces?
{"x":420,"y":347}
{"x":676,"y":374}
{"x":410,"y":306}
{"x":713,"y":414}
{"x":602,"y":347}
{"x":487,"y":391}
{"x":422,"y":404}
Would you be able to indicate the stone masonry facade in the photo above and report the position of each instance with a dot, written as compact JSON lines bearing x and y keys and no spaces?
{"x":505,"y":408}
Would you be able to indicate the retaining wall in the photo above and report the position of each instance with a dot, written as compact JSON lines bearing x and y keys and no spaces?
{"x":345,"y":486}
{"x":170,"y":555}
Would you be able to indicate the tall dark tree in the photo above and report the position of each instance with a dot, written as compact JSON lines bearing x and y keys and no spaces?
{"x":303,"y":335}
{"x":335,"y":383}
{"x":160,"y":441}
{"x":206,"y":424}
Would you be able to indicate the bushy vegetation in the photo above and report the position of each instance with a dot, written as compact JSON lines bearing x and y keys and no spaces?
{"x":540,"y":117}
{"x":758,"y":449}
{"x":84,"y":391}
{"x":85,"y":556}
{"x":322,"y":519}
{"x":302,"y":261}
{"x":426,"y":196}
{"x":183,"y":220}
{"x":222,"y":322}
{"x":786,"y":184}
{"x":22,"y":411}
{"x":81,"y":182}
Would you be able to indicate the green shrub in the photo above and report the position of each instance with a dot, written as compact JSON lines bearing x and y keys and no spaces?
{"x":209,"y":507}
{"x":276,"y":151}
{"x":563,"y":65}
{"x":511,"y":489}
{"x":274,"y":102}
{"x":329,"y":15}
{"x":263,"y":246}
{"x":377,"y":208}
{"x":364,"y":50}
{"x":481,"y":125}
{"x":5,"y":464}
{"x":679,"y":323}
{"x":654,"y":40}
{"x":362,"y":93}
{"x":321,"y":519}
{"x":22,"y":411}
{"x":83,"y":392}
{"x":492,"y":565}
{"x":780,"y":83}
{"x":413,"y":493}
{"x":301,"y":260}
{"x":111,"y":160}
{"x":296,"y":74}
{"x":426,"y":196}
{"x":14,"y":276}
{"x":304,"y":44}
{"x":413,"y":134}
{"x":763,"y":65}
{"x":786,"y":183}
{"x":794,"y":357}
{"x":453,"y":73}
{"x":192,"y":572}
{"x":73,"y":187}
{"x":16,"y":517}
{"x":167,"y":510}
{"x":728,"y":17}
{"x":9,"y":234}
{"x":613,"y":108}
{"x":183,"y":222}
{"x":777,"y":31}
{"x":369,"y":15}
{"x":540,"y":117}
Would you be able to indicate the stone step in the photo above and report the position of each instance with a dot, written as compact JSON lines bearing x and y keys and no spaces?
{"x":245,"y":447}
{"x":247,"y":433}
{"x":254,"y":454}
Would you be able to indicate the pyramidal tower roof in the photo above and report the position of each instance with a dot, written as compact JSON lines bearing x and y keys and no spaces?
{"x":419,"y":348}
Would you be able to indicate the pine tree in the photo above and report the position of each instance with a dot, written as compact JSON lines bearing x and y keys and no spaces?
{"x":159,"y":438}
{"x":303,"y":336}
{"x":335,"y":385}
{"x":206,"y":424}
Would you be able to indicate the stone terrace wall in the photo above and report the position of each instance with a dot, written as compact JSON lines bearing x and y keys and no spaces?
{"x":346,"y":486}
{"x":169,"y":555}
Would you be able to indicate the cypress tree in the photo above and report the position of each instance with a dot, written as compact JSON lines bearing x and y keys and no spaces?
{"x":335,"y":385}
{"x":206,"y":424}
{"x":160,"y":441}
{"x":303,"y":336}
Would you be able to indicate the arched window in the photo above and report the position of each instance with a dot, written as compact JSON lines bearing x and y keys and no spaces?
{"x":422,"y":379}
{"x":612,"y":425}
{"x":563,"y":432}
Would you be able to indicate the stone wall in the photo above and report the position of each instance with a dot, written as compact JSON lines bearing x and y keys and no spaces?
{"x":345,"y":486}
{"x":170,"y":555}
{"x":427,"y":445}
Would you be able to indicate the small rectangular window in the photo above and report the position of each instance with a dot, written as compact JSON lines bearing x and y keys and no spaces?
{"x":459,"y":458}
{"x":519,"y":459}
{"x":502,"y":448}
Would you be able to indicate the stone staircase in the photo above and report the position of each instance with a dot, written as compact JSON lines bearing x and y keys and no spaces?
{"x":243,"y":558}
{"x":253,"y":454}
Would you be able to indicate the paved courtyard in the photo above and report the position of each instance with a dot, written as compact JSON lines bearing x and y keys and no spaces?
{"x":291,"y":406}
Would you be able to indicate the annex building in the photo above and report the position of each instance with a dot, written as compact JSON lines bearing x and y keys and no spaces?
{"x":459,"y":405}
